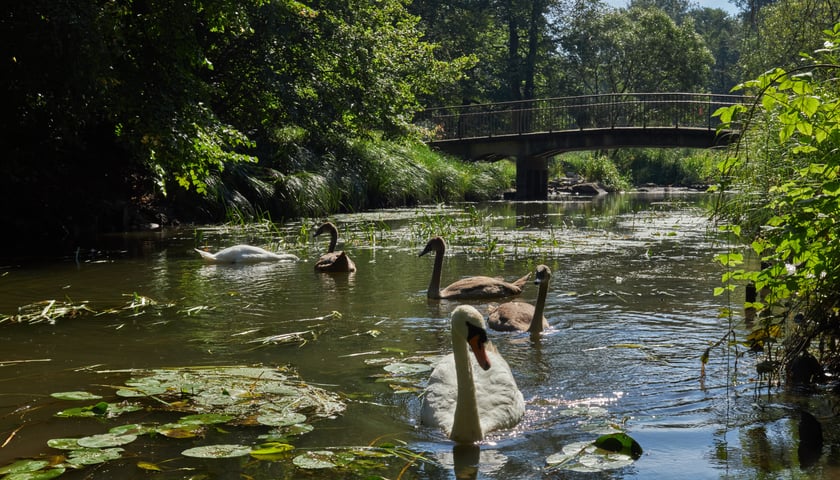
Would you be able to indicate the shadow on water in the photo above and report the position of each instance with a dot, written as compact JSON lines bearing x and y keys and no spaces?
{"x":630,"y":306}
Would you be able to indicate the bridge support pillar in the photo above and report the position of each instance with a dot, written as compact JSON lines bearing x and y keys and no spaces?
{"x":531,"y":178}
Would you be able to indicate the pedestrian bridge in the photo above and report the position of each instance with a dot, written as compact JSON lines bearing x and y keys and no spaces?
{"x":532,"y":131}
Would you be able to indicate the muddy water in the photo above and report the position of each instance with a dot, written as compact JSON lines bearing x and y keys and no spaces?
{"x":630,"y":304}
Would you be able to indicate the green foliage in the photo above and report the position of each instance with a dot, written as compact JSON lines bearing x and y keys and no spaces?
{"x":791,"y":223}
{"x":156,"y":97}
{"x":598,"y":168}
{"x":634,"y":50}
{"x":677,"y":167}
{"x":781,"y":31}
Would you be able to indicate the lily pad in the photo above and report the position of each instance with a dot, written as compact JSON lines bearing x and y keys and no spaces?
{"x":281,"y":419}
{"x":315,"y":460}
{"x":132,"y":429}
{"x":64,"y":443}
{"x":272,"y":452}
{"x":101,"y":409}
{"x":76,"y":395}
{"x":22,"y":466}
{"x":217,"y":451}
{"x":92,"y":456}
{"x":586,"y":457}
{"x":106,"y":440}
{"x":46,"y":474}
{"x":179,"y":430}
{"x":407,"y":368}
{"x":205,"y":419}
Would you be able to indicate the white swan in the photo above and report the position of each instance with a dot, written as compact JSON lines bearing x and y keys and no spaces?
{"x":521,"y":316}
{"x":333,"y":261}
{"x":468,"y":402}
{"x":245,"y":254}
{"x":470,"y":287}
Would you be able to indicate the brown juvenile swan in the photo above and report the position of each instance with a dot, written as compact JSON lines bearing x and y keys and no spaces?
{"x":333,"y":261}
{"x":465,"y":401}
{"x":521,"y":316}
{"x":470,"y":287}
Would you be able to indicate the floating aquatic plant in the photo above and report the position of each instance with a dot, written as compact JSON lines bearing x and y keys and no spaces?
{"x":232,"y":395}
{"x":50,"y":311}
{"x":607,"y":452}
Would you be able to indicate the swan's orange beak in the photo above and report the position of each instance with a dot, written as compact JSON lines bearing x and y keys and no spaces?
{"x":477,"y":344}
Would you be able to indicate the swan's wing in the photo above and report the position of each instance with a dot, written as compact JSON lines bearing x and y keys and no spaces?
{"x":500,"y":403}
{"x":439,"y":398}
{"x":335,"y":262}
{"x":480,"y":287}
{"x":511,"y":316}
{"x":250,"y":254}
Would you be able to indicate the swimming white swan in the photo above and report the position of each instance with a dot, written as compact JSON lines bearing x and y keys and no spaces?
{"x":467,"y":402}
{"x":470,"y":287}
{"x":245,"y":254}
{"x":521,"y":316}
{"x":333,"y":261}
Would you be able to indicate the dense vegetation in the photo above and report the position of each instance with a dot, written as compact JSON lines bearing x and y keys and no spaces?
{"x":787,"y":211}
{"x":125,"y":112}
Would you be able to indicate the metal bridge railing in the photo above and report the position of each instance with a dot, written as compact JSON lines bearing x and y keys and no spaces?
{"x":619,"y":110}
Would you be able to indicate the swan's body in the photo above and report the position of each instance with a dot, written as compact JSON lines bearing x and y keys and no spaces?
{"x":333,"y":261}
{"x":245,"y":254}
{"x":470,"y":287}
{"x":468,"y":402}
{"x":521,"y":316}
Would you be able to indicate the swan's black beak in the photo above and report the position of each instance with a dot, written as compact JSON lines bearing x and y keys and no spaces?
{"x":425,"y":250}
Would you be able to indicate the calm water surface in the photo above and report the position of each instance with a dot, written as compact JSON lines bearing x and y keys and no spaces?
{"x":630,"y":304}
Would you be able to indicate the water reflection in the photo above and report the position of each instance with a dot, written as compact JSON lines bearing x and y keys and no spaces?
{"x":618,"y":353}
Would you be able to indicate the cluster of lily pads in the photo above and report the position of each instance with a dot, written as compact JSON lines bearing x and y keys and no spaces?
{"x":235,"y":396}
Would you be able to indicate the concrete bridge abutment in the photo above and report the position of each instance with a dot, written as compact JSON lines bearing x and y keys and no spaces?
{"x":531,"y":178}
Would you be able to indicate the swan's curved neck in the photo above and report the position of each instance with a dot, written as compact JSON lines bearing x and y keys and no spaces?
{"x":434,"y":284}
{"x":536,"y":322}
{"x":333,"y":240}
{"x":466,"y":426}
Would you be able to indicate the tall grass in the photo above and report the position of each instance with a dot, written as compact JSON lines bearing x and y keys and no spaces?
{"x":346,"y":176}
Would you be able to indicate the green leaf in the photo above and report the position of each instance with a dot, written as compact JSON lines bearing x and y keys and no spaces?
{"x":206,"y":419}
{"x":93,"y":456}
{"x":106,"y":440}
{"x":217,"y":451}
{"x":272,"y":452}
{"x":64,"y":443}
{"x":315,"y":460}
{"x":24,"y":466}
{"x":620,"y":443}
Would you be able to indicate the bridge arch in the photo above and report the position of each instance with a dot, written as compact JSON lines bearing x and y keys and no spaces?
{"x":533,"y":131}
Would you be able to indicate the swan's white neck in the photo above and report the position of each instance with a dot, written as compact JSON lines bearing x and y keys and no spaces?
{"x":466,"y":426}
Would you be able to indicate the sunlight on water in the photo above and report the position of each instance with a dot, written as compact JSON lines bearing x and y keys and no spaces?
{"x":630,"y":306}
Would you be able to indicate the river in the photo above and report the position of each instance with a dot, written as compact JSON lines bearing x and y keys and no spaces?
{"x":630,"y":303}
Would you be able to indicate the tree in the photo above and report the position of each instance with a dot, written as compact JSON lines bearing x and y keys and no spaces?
{"x":122,"y":97}
{"x":635,"y":50}
{"x":722,"y":34}
{"x":784,"y":29}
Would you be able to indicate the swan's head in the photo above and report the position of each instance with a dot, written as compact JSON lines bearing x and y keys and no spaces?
{"x":468,"y":324}
{"x":543,"y":275}
{"x":325,"y":227}
{"x":435,"y":244}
